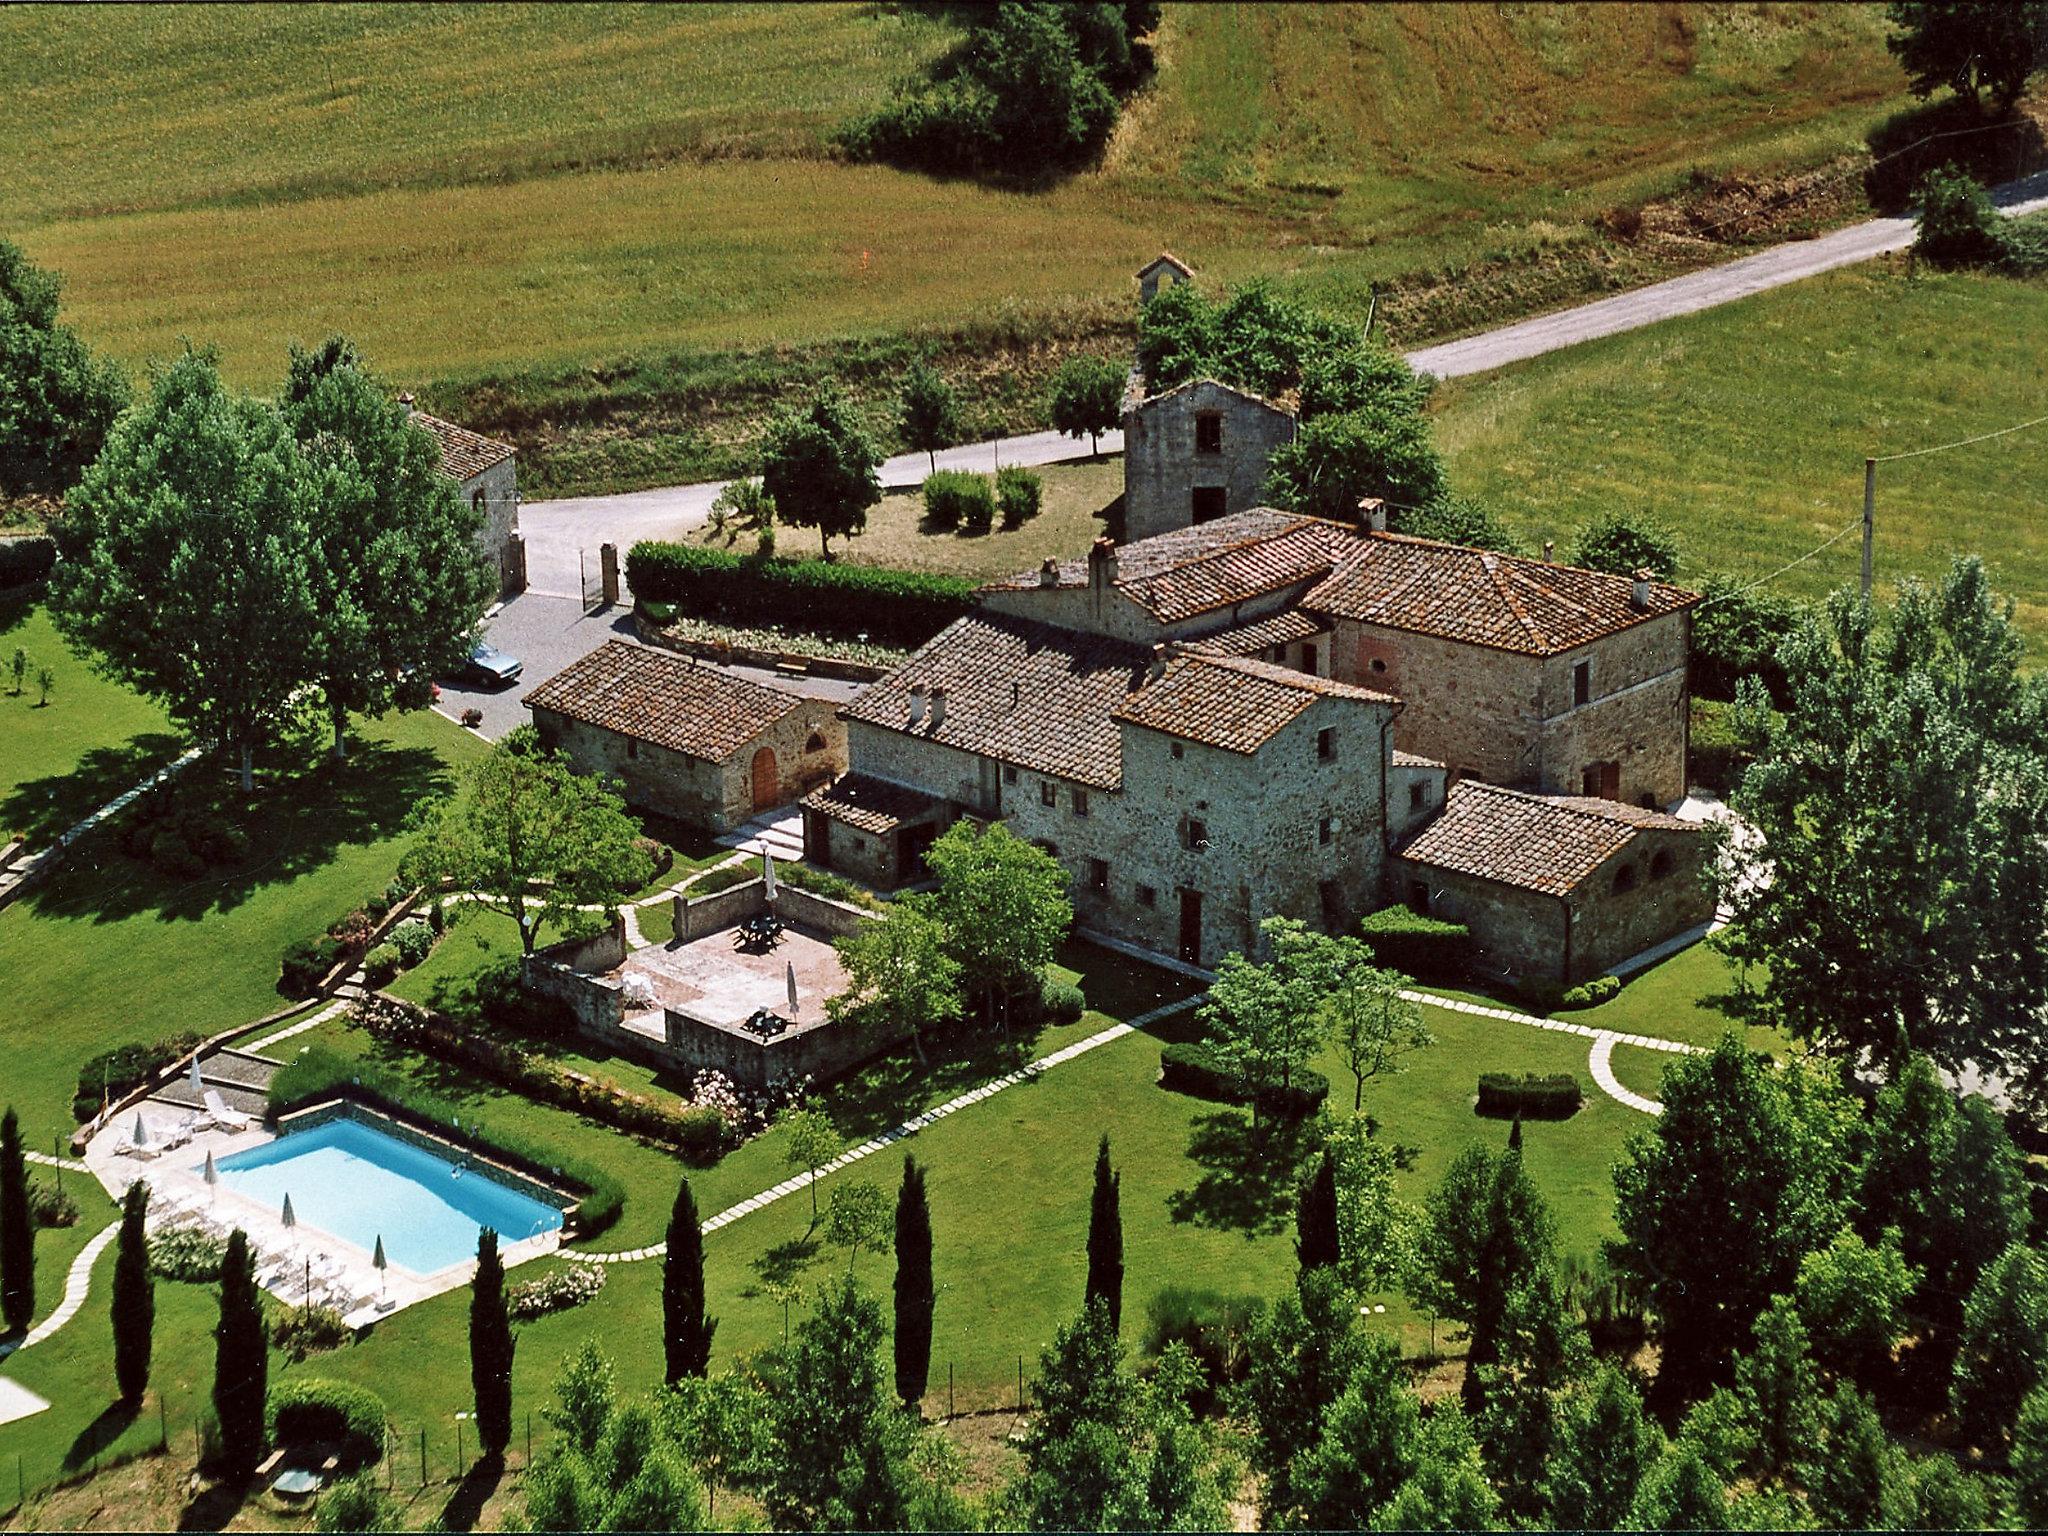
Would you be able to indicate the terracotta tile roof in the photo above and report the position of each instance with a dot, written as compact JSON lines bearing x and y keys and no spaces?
{"x":1024,"y":693}
{"x":662,"y":698}
{"x":871,"y":805}
{"x":463,"y":453}
{"x":1282,"y":628}
{"x":1230,"y":702}
{"x":1414,"y":760}
{"x":1474,"y":595}
{"x":1546,"y":843}
{"x":1286,"y":403}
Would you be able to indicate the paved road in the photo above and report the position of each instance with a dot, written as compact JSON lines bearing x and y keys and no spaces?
{"x":557,"y":532}
{"x":1695,"y":291}
{"x":547,"y":633}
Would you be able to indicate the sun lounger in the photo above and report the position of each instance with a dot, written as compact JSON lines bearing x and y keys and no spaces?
{"x":230,"y":1120}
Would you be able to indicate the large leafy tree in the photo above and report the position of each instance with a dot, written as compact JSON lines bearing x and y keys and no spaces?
{"x":490,"y":1348}
{"x":134,"y":1302}
{"x":819,"y":466}
{"x":1366,"y":1445}
{"x":1300,"y":1355}
{"x":189,"y":558}
{"x":1743,"y":1175}
{"x":1603,"y":1445}
{"x":2003,"y":1355}
{"x":1265,"y":1020}
{"x":57,"y":403}
{"x":530,"y":838}
{"x":17,"y":1231}
{"x":1779,"y":1389}
{"x":1376,"y":1228}
{"x":1912,"y":770}
{"x":1005,"y":905}
{"x":399,"y":585}
{"x":930,"y":417}
{"x":720,"y":1423}
{"x":1971,"y":48}
{"x":1852,"y":1299}
{"x":899,"y":968}
{"x":1622,"y":545}
{"x":1087,"y":398}
{"x":1372,"y":1025}
{"x":1334,"y":462}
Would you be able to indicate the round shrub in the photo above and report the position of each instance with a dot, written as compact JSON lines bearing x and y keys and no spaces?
{"x":112,"y":1073}
{"x":954,"y":496}
{"x":413,"y":940}
{"x":1064,"y":1002}
{"x":1590,"y":994}
{"x":171,"y":856}
{"x":381,"y":964}
{"x":306,"y":1410}
{"x":303,"y":1331}
{"x":357,"y":1504}
{"x":1019,"y":493}
{"x":50,"y":1205}
{"x":191,"y":1254}
{"x":306,"y":963}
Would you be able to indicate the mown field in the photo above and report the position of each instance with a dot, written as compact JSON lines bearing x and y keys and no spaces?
{"x":1745,"y":429}
{"x":481,"y":191}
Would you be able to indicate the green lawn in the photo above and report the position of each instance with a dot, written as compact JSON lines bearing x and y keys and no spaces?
{"x":667,"y":184}
{"x":1745,"y":429}
{"x":61,"y":761}
{"x":109,"y":951}
{"x":1076,"y":497}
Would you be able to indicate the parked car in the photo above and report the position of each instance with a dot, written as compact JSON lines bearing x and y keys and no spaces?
{"x":490,"y":667}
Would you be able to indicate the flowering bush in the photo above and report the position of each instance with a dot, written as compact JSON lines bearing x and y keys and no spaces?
{"x":187,"y":1253}
{"x":555,"y":1291}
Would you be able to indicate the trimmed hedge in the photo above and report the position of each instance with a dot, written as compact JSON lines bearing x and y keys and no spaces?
{"x":1193,"y":1069}
{"x":306,"y":1410}
{"x":26,"y":558}
{"x":904,"y":608}
{"x":306,"y":963}
{"x":1590,"y":994}
{"x":1503,"y":1096}
{"x":124,"y":1067}
{"x":1425,"y":947}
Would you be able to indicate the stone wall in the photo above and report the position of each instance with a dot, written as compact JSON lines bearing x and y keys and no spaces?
{"x":495,"y":493}
{"x":1515,"y":932}
{"x":1509,"y":718}
{"x":1669,"y":894}
{"x":1415,"y":795}
{"x":1163,"y":467}
{"x":820,"y":1053}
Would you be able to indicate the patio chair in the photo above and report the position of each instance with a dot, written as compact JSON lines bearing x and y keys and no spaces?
{"x":229,"y":1120}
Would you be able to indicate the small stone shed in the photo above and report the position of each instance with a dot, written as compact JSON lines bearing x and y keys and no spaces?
{"x":685,"y":1005}
{"x":1555,"y":886}
{"x":485,"y":472}
{"x":685,"y":738}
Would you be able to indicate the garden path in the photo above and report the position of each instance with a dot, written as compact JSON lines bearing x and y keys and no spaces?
{"x":1599,"y":1060}
{"x":76,"y":1283}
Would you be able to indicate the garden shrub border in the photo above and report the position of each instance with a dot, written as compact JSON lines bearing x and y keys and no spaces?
{"x":1192,"y":1068}
{"x":309,"y":1409}
{"x":1427,"y":948}
{"x":1529,"y":1095}
{"x":890,"y":606}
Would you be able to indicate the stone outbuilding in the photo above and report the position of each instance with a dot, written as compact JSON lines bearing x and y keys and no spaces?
{"x":485,"y":472}
{"x":1195,"y":453}
{"x":686,"y":739}
{"x":1556,"y":886}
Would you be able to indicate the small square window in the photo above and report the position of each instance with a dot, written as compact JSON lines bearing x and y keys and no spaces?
{"x":1009,"y":773}
{"x":1326,"y":743}
{"x":1415,"y":796}
{"x":1048,"y":793}
{"x":1323,"y":832}
{"x":1098,"y":875}
{"x":1198,"y":836}
{"x":1308,"y":659}
{"x":1080,"y":802}
{"x":1209,"y":432}
{"x":632,"y":747}
{"x":1177,"y":750}
{"x":1147,"y":897}
{"x":1582,"y":683}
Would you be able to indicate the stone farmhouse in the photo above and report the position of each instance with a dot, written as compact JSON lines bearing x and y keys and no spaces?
{"x":1272,"y":713}
{"x":684,"y":739}
{"x":485,"y":473}
{"x":1195,"y":453}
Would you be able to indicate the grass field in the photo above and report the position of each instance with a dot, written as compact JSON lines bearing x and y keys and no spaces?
{"x":253,"y":175}
{"x":1070,"y":519}
{"x":1745,"y":429}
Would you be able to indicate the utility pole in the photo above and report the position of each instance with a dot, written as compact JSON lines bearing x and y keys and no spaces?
{"x":1869,"y":518}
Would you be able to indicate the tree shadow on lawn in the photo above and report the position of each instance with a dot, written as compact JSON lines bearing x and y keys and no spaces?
{"x":892,"y":1088}
{"x":93,"y":1440}
{"x":465,"y":1506}
{"x":782,"y":1265}
{"x":214,"y":1506}
{"x":1249,"y":1176}
{"x":299,"y":819}
{"x":42,"y":810}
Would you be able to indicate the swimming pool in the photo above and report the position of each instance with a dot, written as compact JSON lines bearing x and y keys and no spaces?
{"x":353,"y":1179}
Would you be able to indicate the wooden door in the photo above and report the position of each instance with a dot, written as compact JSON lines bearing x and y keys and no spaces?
{"x":767,"y":781}
{"x":1191,"y":926}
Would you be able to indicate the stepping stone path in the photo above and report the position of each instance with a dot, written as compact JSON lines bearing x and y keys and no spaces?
{"x":1599,"y":1062}
{"x":76,"y":1283}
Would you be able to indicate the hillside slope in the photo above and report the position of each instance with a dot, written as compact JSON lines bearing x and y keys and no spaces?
{"x":486,"y":189}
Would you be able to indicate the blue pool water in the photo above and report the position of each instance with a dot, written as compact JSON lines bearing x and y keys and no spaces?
{"x":358,"y":1182}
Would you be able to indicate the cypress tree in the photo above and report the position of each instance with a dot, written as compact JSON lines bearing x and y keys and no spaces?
{"x":686,"y":1328}
{"x":134,"y":1297}
{"x":241,"y":1364}
{"x":1315,"y":1218}
{"x":17,"y":1233}
{"x":915,"y":1294}
{"x":1106,"y":1240}
{"x":490,"y":1348}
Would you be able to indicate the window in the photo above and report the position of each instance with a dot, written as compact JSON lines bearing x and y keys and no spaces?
{"x":1378,"y":664}
{"x":1047,"y":846}
{"x":1417,"y":795}
{"x":632,"y":747}
{"x":1323,"y":832}
{"x":1582,"y":683}
{"x":476,"y":500}
{"x":1418,"y":897}
{"x":1208,"y":432}
{"x":1009,"y":773}
{"x":1624,"y":879}
{"x":1080,"y":802}
{"x":1177,"y":750}
{"x":1197,"y":835}
{"x":1660,"y":863}
{"x":1308,"y":659}
{"x":1098,"y":876}
{"x":1210,"y":502}
{"x":1326,"y":743}
{"x":1048,"y":793}
{"x":1147,"y":897}
{"x":1602,"y":780}
{"x":815,"y":742}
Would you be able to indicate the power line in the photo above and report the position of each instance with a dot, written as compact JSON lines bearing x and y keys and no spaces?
{"x":1836,"y":538}
{"x":1961,"y":442}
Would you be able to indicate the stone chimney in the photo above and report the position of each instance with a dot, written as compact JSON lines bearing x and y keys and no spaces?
{"x":1102,"y":564}
{"x":1049,"y":572}
{"x":917,"y":706}
{"x":1549,"y":549}
{"x":1639,"y":591}
{"x":938,"y":707}
{"x":405,"y":400}
{"x":1372,"y":514}
{"x":1156,"y":669}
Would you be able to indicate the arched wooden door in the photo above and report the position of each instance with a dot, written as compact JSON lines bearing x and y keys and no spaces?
{"x":767,"y":781}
